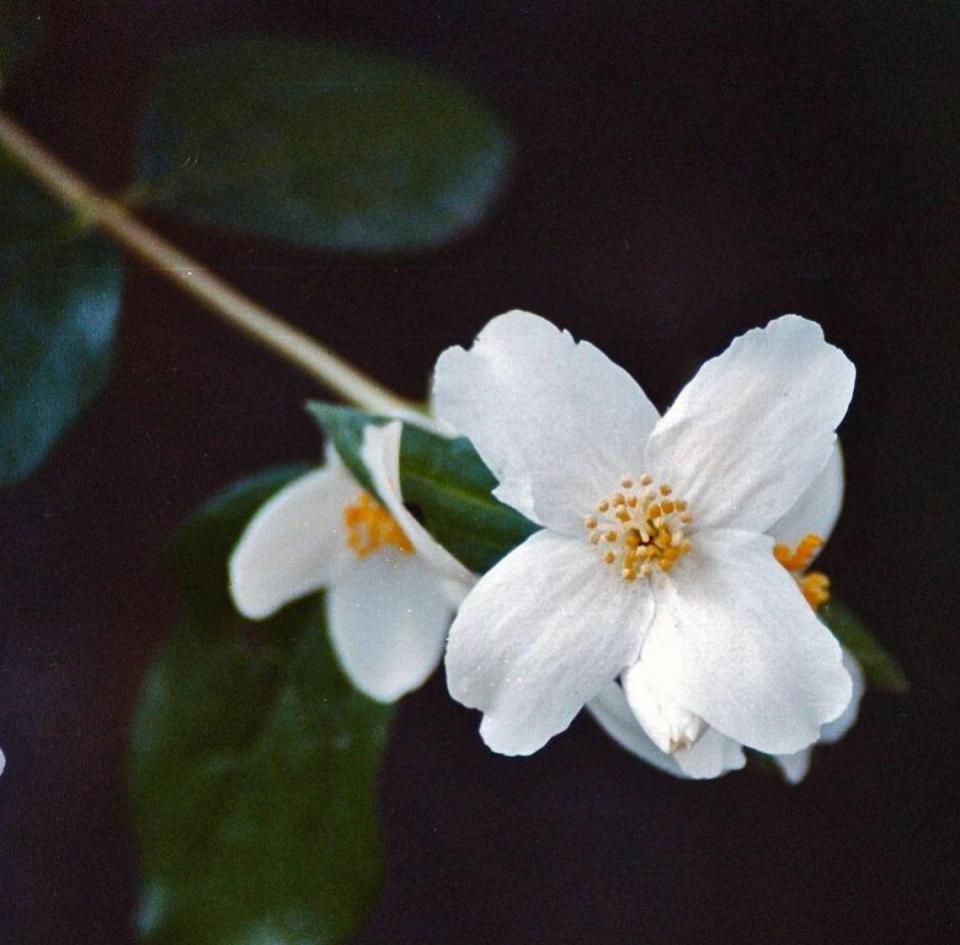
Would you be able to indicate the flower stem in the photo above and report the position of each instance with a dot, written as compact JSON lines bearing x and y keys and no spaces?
{"x":218,"y":296}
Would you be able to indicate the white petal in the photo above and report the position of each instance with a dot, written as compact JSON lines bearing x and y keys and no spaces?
{"x":835,"y":730}
{"x":749,"y":434}
{"x":388,"y":620}
{"x":610,"y":709}
{"x":734,"y":641}
{"x":557,"y":422}
{"x":714,"y":754}
{"x":381,"y":455}
{"x":538,"y":637}
{"x":295,"y":544}
{"x":669,"y":724}
{"x":796,"y":766}
{"x":3,"y":761}
{"x":818,"y":508}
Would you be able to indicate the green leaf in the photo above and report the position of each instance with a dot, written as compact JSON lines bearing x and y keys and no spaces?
{"x":323,"y":146}
{"x":444,"y":481}
{"x":19,"y":32}
{"x":880,"y":667}
{"x":59,"y":298}
{"x":254,"y":764}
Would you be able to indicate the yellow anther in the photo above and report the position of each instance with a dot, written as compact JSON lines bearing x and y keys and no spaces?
{"x":370,"y":527}
{"x":640,"y":528}
{"x":814,"y":585}
{"x":799,"y":559}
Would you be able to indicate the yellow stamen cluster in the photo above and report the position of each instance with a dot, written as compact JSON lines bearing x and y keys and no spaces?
{"x":640,"y":527}
{"x":370,"y":527}
{"x":814,"y":585}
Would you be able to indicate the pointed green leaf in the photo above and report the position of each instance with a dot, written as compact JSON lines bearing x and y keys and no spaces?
{"x":254,"y":763}
{"x":323,"y":146}
{"x":59,"y":298}
{"x":444,"y":481}
{"x":880,"y":667}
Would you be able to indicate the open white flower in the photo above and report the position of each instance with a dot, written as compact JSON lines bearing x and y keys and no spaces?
{"x":391,"y":589}
{"x":654,"y":560}
{"x":799,"y":536}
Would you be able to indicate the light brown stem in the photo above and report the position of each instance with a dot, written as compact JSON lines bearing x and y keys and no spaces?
{"x":222,"y":299}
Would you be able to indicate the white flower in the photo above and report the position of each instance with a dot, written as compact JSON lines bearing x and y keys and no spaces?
{"x":654,"y":544}
{"x":391,"y":589}
{"x":799,"y":535}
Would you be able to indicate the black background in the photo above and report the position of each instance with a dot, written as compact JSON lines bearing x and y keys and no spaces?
{"x":684,"y":171}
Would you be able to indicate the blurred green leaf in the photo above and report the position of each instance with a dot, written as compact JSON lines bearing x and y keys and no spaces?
{"x":880,"y":667}
{"x":19,"y":32}
{"x":59,"y":298}
{"x":444,"y":481}
{"x":323,"y":146}
{"x":254,"y":764}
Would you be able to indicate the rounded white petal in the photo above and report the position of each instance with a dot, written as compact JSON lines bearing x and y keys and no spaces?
{"x":610,"y":709}
{"x":388,"y":619}
{"x":381,"y":456}
{"x":3,"y":761}
{"x":835,"y":730}
{"x":734,"y":641}
{"x":669,"y":724}
{"x":295,"y":544}
{"x":538,"y":637}
{"x":749,"y":434}
{"x":818,"y":508}
{"x":556,"y":421}
{"x":796,"y":766}
{"x":713,"y":755}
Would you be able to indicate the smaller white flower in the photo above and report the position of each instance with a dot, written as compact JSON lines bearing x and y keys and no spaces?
{"x":391,"y":589}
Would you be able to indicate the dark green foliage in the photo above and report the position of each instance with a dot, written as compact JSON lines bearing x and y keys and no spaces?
{"x":319,"y":145}
{"x":254,"y":763}
{"x":59,"y":298}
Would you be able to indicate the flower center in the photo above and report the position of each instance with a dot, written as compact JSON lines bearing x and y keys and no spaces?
{"x":370,"y":527}
{"x":640,"y":527}
{"x":814,"y":585}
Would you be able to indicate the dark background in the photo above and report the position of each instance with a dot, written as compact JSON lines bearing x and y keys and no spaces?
{"x":684,"y":171}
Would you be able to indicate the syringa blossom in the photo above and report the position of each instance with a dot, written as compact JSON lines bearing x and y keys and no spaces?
{"x":654,"y":564}
{"x":391,"y":588}
{"x":799,"y":537}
